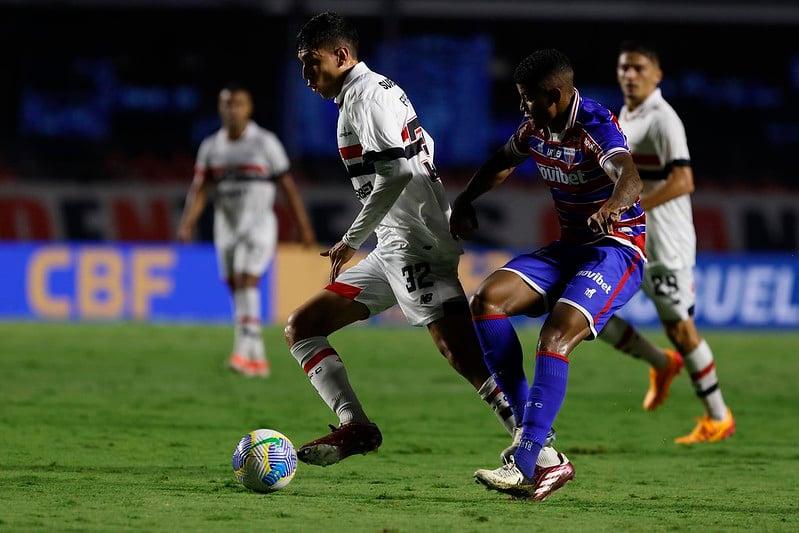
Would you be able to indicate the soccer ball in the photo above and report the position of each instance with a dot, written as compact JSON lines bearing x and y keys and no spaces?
{"x":264,"y":460}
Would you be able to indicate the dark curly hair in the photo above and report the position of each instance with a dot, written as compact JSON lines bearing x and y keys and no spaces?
{"x":327,"y":30}
{"x":543,"y":66}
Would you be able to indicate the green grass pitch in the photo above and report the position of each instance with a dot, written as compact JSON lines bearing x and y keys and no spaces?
{"x":129,"y":426}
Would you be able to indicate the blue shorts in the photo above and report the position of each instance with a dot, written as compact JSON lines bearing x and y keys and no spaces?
{"x":597,"y":279}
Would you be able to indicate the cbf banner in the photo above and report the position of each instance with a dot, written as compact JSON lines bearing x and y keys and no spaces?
{"x":181,"y":283}
{"x":99,"y":282}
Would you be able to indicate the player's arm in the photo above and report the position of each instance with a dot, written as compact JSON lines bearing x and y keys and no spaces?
{"x":196,"y":200}
{"x":379,"y":131}
{"x":671,"y":143}
{"x":289,"y":188}
{"x":463,"y":219}
{"x":621,"y":170}
{"x":391,"y":177}
{"x":680,"y":181}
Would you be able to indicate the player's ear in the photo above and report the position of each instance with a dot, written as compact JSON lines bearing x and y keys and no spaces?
{"x":342,"y":54}
{"x":554,"y":95}
{"x":658,"y":74}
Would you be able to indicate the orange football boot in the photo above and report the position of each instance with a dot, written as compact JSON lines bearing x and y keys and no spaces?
{"x":239,"y":363}
{"x":710,"y":430}
{"x":660,"y":380}
{"x":260,"y":368}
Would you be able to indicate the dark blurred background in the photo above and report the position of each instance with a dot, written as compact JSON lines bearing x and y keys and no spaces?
{"x":102,"y":97}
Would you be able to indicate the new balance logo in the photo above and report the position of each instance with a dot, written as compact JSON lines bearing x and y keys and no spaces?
{"x":597,"y":278}
{"x":427,"y":298}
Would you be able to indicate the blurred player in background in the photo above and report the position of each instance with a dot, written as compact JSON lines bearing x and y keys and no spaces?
{"x":580,"y":280}
{"x":239,"y":166}
{"x":389,"y":159}
{"x":657,"y":140}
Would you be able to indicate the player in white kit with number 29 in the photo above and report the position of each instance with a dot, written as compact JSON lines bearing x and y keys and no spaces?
{"x":656,"y":137}
{"x":389,"y":159}
{"x":240,"y":165}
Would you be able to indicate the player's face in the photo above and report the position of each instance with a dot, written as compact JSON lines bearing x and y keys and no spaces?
{"x":538,"y":104}
{"x":322,"y":72}
{"x":638,"y":75}
{"x":235,"y":108}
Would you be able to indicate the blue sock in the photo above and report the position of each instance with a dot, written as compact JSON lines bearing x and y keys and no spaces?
{"x":543,"y":403}
{"x":503,"y":357}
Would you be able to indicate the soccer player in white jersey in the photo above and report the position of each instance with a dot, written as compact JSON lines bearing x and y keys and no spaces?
{"x":657,"y":140}
{"x":239,"y":166}
{"x":389,"y":158}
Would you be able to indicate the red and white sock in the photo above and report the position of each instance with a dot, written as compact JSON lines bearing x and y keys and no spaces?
{"x":240,"y":339}
{"x":328,"y":375}
{"x":702,"y":367}
{"x":625,"y":338}
{"x":495,"y":398}
{"x":252,"y":323}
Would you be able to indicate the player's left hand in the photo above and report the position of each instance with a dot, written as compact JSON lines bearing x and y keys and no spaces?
{"x":339,"y":255}
{"x":462,"y":219}
{"x":602,"y":221}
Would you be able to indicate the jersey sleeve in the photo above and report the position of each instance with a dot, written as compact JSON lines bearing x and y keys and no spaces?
{"x":605,"y":136}
{"x":516,"y":147}
{"x":202,"y":165}
{"x":670,"y":142}
{"x":379,"y":129}
{"x":276,"y":155}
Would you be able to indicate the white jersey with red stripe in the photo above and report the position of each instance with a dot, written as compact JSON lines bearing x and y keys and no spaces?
{"x":243,"y":172}
{"x":656,"y":137}
{"x":377,"y":122}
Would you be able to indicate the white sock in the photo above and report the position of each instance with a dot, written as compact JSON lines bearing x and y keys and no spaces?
{"x":329,"y":377}
{"x":702,"y":367}
{"x":252,"y":307}
{"x":240,"y":339}
{"x":548,"y":456}
{"x":625,"y":338}
{"x":496,"y":399}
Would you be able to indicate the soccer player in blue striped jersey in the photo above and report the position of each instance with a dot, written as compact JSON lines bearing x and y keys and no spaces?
{"x":580,"y":280}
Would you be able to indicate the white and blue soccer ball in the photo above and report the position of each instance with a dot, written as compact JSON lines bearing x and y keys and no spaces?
{"x":264,"y":460}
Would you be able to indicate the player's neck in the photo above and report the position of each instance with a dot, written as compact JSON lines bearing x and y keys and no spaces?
{"x":345,"y":74}
{"x":234,"y":132}
{"x":559,"y":122}
{"x":632,"y":103}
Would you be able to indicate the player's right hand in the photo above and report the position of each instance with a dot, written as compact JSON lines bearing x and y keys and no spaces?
{"x":463,"y":219}
{"x":339,"y":255}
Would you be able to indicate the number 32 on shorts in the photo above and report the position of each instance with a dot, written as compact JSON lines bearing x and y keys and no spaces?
{"x":415,"y":276}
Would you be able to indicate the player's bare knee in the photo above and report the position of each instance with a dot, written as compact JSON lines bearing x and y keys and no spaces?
{"x":555,"y":339}
{"x":481,"y":303}
{"x":297,"y":327}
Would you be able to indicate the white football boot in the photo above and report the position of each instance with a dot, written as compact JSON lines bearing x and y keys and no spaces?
{"x":546,"y":480}
{"x":508,"y":452}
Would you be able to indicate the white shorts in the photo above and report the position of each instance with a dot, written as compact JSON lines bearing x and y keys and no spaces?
{"x":672,"y":291}
{"x":244,"y":257}
{"x":420,"y":285}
